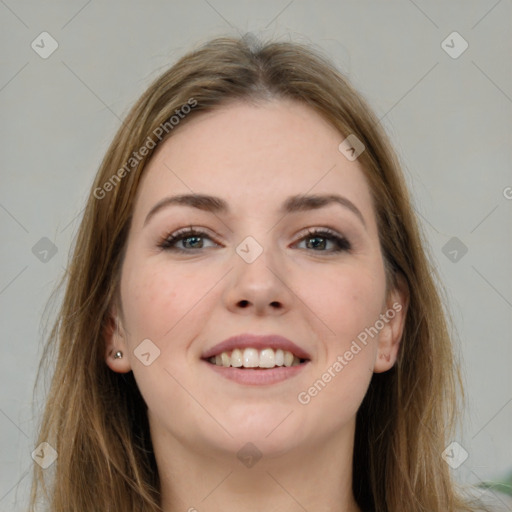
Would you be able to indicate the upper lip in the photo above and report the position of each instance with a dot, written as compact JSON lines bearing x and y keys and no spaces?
{"x":259,"y":342}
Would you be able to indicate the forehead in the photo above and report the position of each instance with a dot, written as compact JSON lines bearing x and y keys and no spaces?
{"x":253,"y":156}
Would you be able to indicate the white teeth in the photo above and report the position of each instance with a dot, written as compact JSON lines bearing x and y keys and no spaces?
{"x":267,"y":358}
{"x":252,"y":358}
{"x":236,"y":358}
{"x":279,"y":358}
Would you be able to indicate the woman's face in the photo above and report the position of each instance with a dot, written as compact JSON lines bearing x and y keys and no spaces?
{"x":254,"y":267}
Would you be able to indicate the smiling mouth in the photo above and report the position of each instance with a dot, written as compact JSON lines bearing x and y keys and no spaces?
{"x":251,"y":358}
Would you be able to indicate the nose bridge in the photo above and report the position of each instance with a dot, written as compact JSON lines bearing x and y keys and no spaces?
{"x":255,"y":261}
{"x":256,"y":281}
{"x":259,"y":241}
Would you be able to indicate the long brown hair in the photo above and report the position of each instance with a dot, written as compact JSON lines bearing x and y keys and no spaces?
{"x":96,"y":419}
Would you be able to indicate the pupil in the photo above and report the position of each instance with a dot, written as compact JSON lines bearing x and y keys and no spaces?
{"x":195,"y":238}
{"x":316,"y":244}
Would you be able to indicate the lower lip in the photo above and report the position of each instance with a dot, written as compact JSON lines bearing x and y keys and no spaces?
{"x":253,"y":377}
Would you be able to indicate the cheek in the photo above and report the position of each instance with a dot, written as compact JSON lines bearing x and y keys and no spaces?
{"x":157,"y":293}
{"x":347,"y":300}
{"x":160,"y":304}
{"x":150,"y":302}
{"x":350,"y":303}
{"x":153,"y":301}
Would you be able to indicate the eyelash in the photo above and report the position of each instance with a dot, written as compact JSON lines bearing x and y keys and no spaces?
{"x":166,"y":243}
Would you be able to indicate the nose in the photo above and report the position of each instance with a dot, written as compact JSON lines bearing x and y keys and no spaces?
{"x":259,"y":287}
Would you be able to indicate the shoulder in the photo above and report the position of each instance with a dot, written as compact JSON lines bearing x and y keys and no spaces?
{"x":493,"y":501}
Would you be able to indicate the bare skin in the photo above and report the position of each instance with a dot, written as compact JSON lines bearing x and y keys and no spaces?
{"x":254,"y":158}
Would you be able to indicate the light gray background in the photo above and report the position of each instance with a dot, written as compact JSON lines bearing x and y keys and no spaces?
{"x":449,"y":118}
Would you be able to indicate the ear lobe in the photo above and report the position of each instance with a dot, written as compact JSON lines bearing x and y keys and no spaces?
{"x":115,"y":341}
{"x":391,"y":335}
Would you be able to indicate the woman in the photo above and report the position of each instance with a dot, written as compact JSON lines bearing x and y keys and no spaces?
{"x":250,"y":321}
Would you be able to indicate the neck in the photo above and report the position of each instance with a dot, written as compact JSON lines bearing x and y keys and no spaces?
{"x":198,"y":479}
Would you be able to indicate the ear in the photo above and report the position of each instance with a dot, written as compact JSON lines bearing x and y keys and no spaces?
{"x":115,"y":340}
{"x":393,"y":316}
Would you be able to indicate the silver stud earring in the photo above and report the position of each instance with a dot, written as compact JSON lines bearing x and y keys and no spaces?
{"x":118,"y":355}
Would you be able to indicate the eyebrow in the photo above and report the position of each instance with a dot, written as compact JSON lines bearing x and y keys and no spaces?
{"x":298,"y":203}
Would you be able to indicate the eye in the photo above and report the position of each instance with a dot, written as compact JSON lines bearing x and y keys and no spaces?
{"x":319,"y":240}
{"x":191,"y":238}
